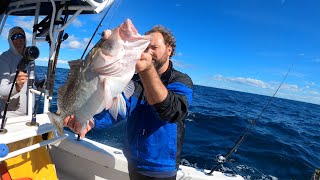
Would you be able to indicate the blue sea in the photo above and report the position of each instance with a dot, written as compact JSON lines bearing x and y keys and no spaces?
{"x":283,"y":144}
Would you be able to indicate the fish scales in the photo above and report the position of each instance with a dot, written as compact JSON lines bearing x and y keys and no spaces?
{"x":98,"y":82}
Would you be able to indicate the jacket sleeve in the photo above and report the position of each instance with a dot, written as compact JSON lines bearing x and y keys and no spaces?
{"x":105,"y":120}
{"x":175,"y":107}
{"x":5,"y":84}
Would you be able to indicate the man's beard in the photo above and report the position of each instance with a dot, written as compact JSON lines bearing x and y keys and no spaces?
{"x":158,"y":63}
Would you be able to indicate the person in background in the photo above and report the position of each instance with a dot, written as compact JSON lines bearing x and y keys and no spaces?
{"x":156,"y":112}
{"x":9,"y":61}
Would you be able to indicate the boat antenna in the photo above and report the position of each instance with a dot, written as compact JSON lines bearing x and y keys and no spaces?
{"x":99,"y":25}
{"x":222,"y":159}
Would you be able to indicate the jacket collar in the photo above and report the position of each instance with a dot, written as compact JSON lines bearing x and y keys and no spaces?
{"x":165,"y":77}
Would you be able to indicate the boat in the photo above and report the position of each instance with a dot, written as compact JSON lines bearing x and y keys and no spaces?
{"x":63,"y":156}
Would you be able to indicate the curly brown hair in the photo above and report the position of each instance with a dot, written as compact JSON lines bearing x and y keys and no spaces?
{"x":168,"y":37}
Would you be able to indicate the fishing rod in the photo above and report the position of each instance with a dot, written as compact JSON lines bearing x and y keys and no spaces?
{"x":99,"y":25}
{"x":223,"y":159}
{"x":33,"y":121}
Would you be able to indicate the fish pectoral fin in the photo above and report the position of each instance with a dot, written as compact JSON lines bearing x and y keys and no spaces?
{"x":114,"y":110}
{"x":58,"y":112}
{"x":107,"y":96}
{"x":118,"y":107}
{"x":129,"y":90}
{"x":121,"y":105}
{"x":57,"y":122}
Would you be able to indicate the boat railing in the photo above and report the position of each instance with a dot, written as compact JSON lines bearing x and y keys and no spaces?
{"x":18,"y":128}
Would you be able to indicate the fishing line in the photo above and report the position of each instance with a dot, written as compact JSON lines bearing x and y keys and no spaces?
{"x":222,"y":159}
{"x":100,"y":24}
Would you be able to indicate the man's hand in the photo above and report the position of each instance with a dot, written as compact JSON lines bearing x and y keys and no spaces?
{"x":75,"y":125}
{"x":145,"y":63}
{"x":21,"y":79}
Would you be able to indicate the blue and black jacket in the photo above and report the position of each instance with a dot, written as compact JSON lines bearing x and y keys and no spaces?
{"x":155,"y":132}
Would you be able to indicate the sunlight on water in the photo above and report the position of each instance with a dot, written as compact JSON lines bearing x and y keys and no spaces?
{"x":253,"y":174}
{"x":187,"y":163}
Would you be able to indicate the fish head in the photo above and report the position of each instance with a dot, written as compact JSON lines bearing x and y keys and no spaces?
{"x":117,"y":44}
{"x":127,"y":30}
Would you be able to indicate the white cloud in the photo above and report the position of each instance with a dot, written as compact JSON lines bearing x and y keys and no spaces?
{"x":45,"y":59}
{"x":4,"y":33}
{"x":24,"y":22}
{"x":259,"y":83}
{"x":178,"y":53}
{"x":314,"y":92}
{"x":77,"y":23}
{"x":28,"y":37}
{"x":308,"y":83}
{"x":180,"y":64}
{"x":291,"y":87}
{"x":86,"y":40}
{"x":75,"y":43}
{"x":289,"y":91}
{"x":245,"y":81}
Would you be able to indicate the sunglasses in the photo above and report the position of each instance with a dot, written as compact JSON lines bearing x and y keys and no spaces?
{"x":17,"y":36}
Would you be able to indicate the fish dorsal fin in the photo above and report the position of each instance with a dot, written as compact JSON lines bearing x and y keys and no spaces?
{"x":76,"y":66}
{"x":129,"y":90}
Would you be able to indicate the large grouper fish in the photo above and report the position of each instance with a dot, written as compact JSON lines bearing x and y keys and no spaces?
{"x":98,"y":82}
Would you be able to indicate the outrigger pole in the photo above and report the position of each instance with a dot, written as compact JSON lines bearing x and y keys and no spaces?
{"x":53,"y":65}
{"x":223,"y":159}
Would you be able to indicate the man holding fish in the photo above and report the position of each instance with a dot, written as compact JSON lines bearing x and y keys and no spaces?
{"x":155,"y":109}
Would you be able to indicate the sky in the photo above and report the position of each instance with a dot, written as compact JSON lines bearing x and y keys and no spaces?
{"x":246,"y":45}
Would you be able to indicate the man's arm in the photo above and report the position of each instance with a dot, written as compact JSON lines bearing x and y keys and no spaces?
{"x":172,"y":103}
{"x":5,"y":84}
{"x":154,"y":90}
{"x":175,"y":107}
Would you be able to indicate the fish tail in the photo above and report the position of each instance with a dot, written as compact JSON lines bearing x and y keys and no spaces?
{"x":56,"y":121}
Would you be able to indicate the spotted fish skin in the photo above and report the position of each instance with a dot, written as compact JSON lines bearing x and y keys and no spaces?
{"x":98,"y":82}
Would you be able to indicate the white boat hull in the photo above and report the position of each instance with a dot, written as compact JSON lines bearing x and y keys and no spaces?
{"x":89,"y":160}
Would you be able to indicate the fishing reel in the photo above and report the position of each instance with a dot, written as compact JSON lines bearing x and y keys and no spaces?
{"x":30,"y":53}
{"x":220,"y":159}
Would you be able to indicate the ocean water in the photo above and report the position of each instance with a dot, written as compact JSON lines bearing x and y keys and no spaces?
{"x":283,"y":144}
